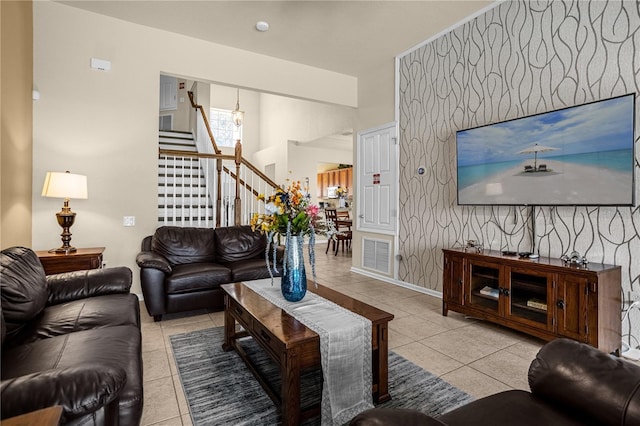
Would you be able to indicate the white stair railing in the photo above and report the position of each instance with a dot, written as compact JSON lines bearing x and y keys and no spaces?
{"x":190,"y":196}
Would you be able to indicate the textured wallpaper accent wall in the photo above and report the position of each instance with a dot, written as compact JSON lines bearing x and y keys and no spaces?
{"x":519,"y":58}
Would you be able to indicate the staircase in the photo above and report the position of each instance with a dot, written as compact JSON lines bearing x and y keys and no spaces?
{"x":183,"y":196}
{"x":200,"y":186}
{"x":179,"y":141}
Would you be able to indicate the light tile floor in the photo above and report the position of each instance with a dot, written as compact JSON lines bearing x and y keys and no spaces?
{"x":477,"y":357}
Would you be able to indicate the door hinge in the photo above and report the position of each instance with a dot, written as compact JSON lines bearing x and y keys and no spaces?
{"x":395,"y":140}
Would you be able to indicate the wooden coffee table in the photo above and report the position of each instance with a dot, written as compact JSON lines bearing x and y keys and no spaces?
{"x":293,"y":346}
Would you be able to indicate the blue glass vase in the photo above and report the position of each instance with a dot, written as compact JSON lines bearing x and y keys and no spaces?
{"x":294,"y":278}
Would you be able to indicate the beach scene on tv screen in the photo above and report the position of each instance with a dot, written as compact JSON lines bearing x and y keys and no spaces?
{"x":582,"y":155}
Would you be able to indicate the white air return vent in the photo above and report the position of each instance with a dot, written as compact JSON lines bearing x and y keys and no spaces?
{"x":166,"y":122}
{"x":376,"y":255}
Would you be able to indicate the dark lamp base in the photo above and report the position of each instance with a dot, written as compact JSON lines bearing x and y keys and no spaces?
{"x":65,"y":250}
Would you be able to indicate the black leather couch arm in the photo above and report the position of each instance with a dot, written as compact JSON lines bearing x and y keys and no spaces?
{"x":587,"y":382}
{"x":79,"y":390}
{"x":150,"y":259}
{"x":76,"y":285}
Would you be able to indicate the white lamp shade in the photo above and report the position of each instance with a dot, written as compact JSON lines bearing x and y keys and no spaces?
{"x":65,"y":185}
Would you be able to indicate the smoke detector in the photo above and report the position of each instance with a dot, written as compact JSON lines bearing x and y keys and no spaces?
{"x":262,"y":26}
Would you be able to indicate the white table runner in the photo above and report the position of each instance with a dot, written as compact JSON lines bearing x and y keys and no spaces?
{"x":345,"y":349}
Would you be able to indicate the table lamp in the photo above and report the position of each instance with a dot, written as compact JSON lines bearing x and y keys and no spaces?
{"x":65,"y":185}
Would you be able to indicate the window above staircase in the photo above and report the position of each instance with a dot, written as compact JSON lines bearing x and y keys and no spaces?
{"x":223,"y":127}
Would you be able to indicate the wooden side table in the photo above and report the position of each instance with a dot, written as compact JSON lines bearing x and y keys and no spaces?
{"x":45,"y":417}
{"x":83,"y":258}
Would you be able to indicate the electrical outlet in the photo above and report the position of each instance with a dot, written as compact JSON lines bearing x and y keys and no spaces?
{"x":631,"y":299}
{"x":129,"y":221}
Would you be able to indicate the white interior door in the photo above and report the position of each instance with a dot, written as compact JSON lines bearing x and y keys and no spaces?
{"x":377,"y":179}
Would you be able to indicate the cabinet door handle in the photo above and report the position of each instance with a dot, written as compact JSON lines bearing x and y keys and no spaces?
{"x":505,"y":291}
{"x":238,"y":310}
{"x":560,"y":304}
{"x":460,"y":281}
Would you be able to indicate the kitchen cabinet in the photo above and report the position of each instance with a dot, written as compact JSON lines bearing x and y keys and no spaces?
{"x":340,"y":177}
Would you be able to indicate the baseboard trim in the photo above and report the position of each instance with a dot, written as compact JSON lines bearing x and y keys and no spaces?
{"x":399,"y":283}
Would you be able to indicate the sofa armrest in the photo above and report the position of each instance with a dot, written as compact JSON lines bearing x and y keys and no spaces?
{"x":569,"y":374}
{"x":76,"y":285}
{"x":149,"y":259}
{"x":79,"y":390}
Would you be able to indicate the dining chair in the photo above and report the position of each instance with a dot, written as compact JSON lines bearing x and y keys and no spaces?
{"x":335,"y":233}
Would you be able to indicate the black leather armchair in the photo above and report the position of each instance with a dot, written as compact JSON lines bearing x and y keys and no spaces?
{"x":182,"y":268}
{"x":571,"y":384}
{"x":69,"y":339}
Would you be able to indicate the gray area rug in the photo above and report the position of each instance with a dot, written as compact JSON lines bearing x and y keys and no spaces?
{"x":220,"y":389}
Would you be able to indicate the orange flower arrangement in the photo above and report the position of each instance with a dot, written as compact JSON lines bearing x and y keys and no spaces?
{"x":288,"y":213}
{"x":288,"y":210}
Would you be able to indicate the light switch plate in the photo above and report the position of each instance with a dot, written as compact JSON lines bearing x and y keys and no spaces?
{"x":129,"y":221}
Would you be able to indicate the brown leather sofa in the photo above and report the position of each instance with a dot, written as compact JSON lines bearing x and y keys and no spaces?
{"x":571,"y":384}
{"x":69,"y":339}
{"x":181,"y":269}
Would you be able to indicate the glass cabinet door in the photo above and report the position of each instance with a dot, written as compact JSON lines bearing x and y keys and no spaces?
{"x":484,"y":286}
{"x":528,"y":297}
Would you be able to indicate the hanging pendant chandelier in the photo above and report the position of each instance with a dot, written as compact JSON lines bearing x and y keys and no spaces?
{"x":236,"y":114}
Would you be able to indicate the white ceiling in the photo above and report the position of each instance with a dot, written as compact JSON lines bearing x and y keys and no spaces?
{"x":349,"y":37}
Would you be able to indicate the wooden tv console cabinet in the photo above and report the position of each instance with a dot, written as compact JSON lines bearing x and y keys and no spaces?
{"x":542,"y":297}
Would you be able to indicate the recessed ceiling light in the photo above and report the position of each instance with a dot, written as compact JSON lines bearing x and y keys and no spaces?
{"x":262,"y":26}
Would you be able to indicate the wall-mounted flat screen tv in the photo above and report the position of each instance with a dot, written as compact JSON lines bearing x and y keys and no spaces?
{"x":581,"y":155}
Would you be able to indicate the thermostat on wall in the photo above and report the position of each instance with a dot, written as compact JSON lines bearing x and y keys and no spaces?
{"x":100,"y":64}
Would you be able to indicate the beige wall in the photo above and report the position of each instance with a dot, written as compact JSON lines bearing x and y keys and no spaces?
{"x":284,"y":119}
{"x":104,"y":124}
{"x":16,"y":110}
{"x":183,"y":111}
{"x":376,"y":107}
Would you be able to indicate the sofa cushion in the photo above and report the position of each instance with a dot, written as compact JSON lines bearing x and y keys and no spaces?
{"x":23,"y":287}
{"x":83,"y":314}
{"x":119,"y":346}
{"x":184,"y":245}
{"x":196,"y":277}
{"x":252,"y":269}
{"x":234,"y":243}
